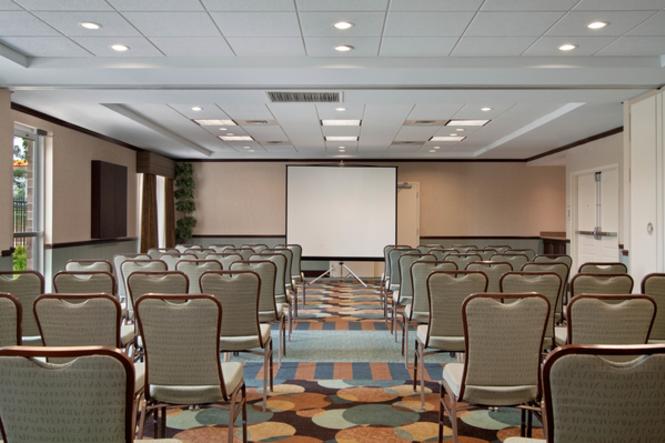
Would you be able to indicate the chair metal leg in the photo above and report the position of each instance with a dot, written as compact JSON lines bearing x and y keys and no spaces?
{"x":272,"y":387}
{"x":415,"y":365}
{"x":421,"y":362}
{"x":243,"y":400}
{"x":143,"y":406}
{"x":232,"y":416}
{"x":266,"y":371}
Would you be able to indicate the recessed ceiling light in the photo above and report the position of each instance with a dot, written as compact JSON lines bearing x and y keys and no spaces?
{"x":343,"y":26}
{"x":436,"y":147}
{"x":223,"y":129}
{"x":454,"y":134}
{"x":486,"y":109}
{"x":447,"y":138}
{"x":432,"y":150}
{"x":251,"y":150}
{"x":567,"y":47}
{"x":247,"y":147}
{"x":215,"y":122}
{"x":596,"y":25}
{"x":340,"y":109}
{"x":340,"y":122}
{"x":342,"y":148}
{"x":118,"y":47}
{"x":90,"y":25}
{"x":341,"y":138}
{"x":467,"y":122}
{"x":459,"y":129}
{"x":197,"y":108}
{"x":343,"y":48}
{"x":236,"y":138}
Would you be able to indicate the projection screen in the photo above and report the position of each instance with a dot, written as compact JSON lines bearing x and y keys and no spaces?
{"x":341,"y":212}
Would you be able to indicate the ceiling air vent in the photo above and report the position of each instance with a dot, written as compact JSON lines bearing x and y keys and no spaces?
{"x":407,"y":143}
{"x":425,"y":122}
{"x":276,"y":142}
{"x":257,"y":122}
{"x":303,"y":97}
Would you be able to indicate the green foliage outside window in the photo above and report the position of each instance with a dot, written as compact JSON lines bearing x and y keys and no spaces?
{"x":20,"y":259}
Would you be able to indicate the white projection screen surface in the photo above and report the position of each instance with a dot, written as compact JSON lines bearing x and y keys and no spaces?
{"x":341,"y":212}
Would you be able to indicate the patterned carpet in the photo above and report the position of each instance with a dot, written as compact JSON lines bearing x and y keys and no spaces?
{"x":342,"y":401}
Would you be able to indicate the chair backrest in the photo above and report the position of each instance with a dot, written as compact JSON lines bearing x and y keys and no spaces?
{"x":166,"y":282}
{"x":588,"y":396}
{"x":405,"y":262}
{"x":172,"y":260}
{"x":446,"y":292}
{"x":559,"y":268}
{"x":181,"y":339}
{"x":267,"y":272}
{"x":653,"y":285}
{"x":420,"y":271}
{"x":289,"y":262}
{"x":10,"y":320}
{"x":245,"y":253}
{"x":530,"y":253}
{"x":464,"y":248}
{"x":280,"y":264}
{"x":128,"y":267}
{"x":238,"y":293}
{"x":494,"y":270}
{"x":504,"y":339}
{"x":26,"y":286}
{"x":500,"y":249}
{"x":199,"y":253}
{"x":516,"y":260}
{"x":90,"y":398}
{"x":603,"y":268}
{"x":440,"y":253}
{"x":386,"y":257}
{"x":547,"y":284}
{"x":225,"y":258}
{"x":84,"y":283}
{"x":194,"y":269}
{"x":555,"y":258}
{"x":117,"y":268}
{"x":256,"y":247}
{"x":89,"y":266}
{"x":221,"y":248}
{"x":296,"y":263}
{"x":79,"y":319}
{"x":158,"y":253}
{"x":610,"y":319}
{"x":462,"y":259}
{"x":601,"y":284}
{"x":486,"y":253}
{"x":394,"y":255}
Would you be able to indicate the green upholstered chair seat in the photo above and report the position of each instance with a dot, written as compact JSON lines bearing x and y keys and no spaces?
{"x":139,"y":376}
{"x":419,"y":317}
{"x":233,"y":377}
{"x":33,"y":340}
{"x":560,"y":335}
{"x":447,"y":343}
{"x":127,"y":334}
{"x":267,"y":316}
{"x":488,"y":395}
{"x":244,"y":342}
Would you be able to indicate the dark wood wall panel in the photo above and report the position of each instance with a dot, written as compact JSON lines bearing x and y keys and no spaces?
{"x":109,"y":200}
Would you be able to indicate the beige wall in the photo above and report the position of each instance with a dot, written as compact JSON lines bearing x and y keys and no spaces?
{"x":6,"y":171}
{"x":460,"y":199}
{"x":68,"y":157}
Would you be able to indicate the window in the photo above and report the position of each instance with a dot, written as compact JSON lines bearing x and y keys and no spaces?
{"x":27,"y":200}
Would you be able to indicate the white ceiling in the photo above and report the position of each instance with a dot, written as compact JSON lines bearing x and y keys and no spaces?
{"x":412,"y":59}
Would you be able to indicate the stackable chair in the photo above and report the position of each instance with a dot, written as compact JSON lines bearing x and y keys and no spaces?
{"x":297,"y":276}
{"x":63,"y":399}
{"x":494,"y":270}
{"x":241,"y":331}
{"x":200,"y":253}
{"x":404,"y":294}
{"x":165,"y":282}
{"x":89,"y":266}
{"x":172,"y":259}
{"x":530,"y":253}
{"x":601,"y":284}
{"x":562,"y":270}
{"x":245,"y":253}
{"x":653,"y":285}
{"x":444,"y":331}
{"x":128,"y":267}
{"x":158,"y":253}
{"x":194,"y":269}
{"x":440,"y":253}
{"x":390,"y":272}
{"x":517,"y":261}
{"x":10,"y":320}
{"x":547,"y":284}
{"x":25,"y":286}
{"x":462,"y":259}
{"x":500,"y":249}
{"x":117,"y":265}
{"x":554,"y":258}
{"x":503,"y":335}
{"x":282,"y":293}
{"x":225,"y":258}
{"x":288,"y":274}
{"x":416,"y":311}
{"x":590,"y":397}
{"x":485,"y":253}
{"x":181,"y":335}
{"x":603,"y":268}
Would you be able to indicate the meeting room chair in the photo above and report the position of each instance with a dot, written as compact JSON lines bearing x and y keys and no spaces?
{"x":25,"y":286}
{"x":291,"y":287}
{"x":500,"y":249}
{"x":117,"y":265}
{"x":156,"y":282}
{"x":79,"y":282}
{"x":608,"y":319}
{"x":269,"y":310}
{"x":554,"y":258}
{"x":530,"y":253}
{"x":47,"y":392}
{"x":172,"y":259}
{"x":128,"y":267}
{"x":603,"y":268}
{"x":563,"y":271}
{"x":517,"y":261}
{"x":194,"y":269}
{"x":158,"y":253}
{"x":623,"y":403}
{"x":653,"y":285}
{"x":601,"y":284}
{"x":462,"y":259}
{"x":503,"y":336}
{"x":464,"y":247}
{"x":225,"y":258}
{"x":182,"y":348}
{"x":297,"y":276}
{"x":238,"y":293}
{"x":10,"y":320}
{"x":282,"y":294}
{"x":440,"y":253}
{"x":199,"y":253}
{"x":387,"y":273}
{"x":416,"y":312}
{"x":547,"y":284}
{"x":404,"y":295}
{"x":245,"y":253}
{"x":89,"y":266}
{"x":494,"y":270}
{"x":222,"y":247}
{"x":444,"y":331}
{"x":486,"y":253}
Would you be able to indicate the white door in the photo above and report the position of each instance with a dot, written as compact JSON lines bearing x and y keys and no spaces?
{"x":597,"y":216}
{"x":408,"y":214}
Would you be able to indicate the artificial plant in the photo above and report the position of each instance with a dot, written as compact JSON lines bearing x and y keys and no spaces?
{"x":184,"y":201}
